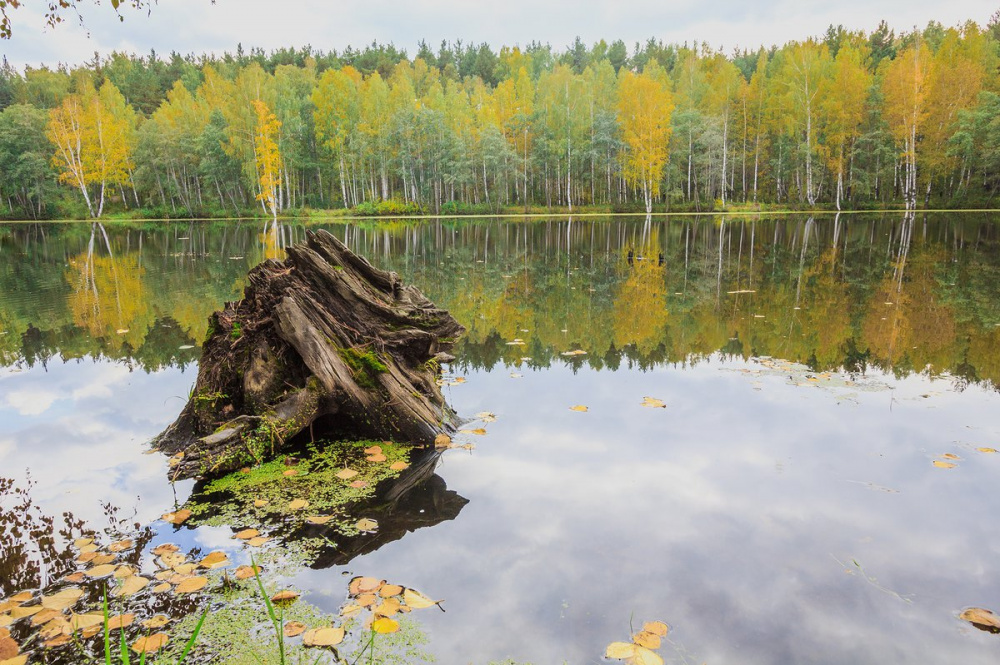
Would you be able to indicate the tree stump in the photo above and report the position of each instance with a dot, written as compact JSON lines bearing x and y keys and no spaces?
{"x":321,"y":341}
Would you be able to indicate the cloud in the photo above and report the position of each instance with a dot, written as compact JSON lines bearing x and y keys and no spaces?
{"x":197,"y":26}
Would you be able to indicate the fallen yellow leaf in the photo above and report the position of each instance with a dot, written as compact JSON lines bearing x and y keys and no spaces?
{"x":385,"y":625}
{"x":323,"y":637}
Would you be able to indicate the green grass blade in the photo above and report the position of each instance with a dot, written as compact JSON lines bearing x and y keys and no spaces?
{"x":107,"y":630}
{"x":123,"y":649}
{"x":194,"y":636}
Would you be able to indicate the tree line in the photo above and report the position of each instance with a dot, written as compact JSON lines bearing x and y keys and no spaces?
{"x":846,"y":120}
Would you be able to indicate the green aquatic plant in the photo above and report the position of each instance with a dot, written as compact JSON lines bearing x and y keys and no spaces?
{"x":124,"y":658}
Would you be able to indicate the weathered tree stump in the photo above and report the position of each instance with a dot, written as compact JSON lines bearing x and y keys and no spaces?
{"x":321,"y":341}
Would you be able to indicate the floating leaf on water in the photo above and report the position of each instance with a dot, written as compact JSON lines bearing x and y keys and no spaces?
{"x":442,"y":441}
{"x":16,"y":660}
{"x":319,"y":519}
{"x":647,"y":639}
{"x":653,"y":403}
{"x":323,"y":637}
{"x":644,"y":656}
{"x":981,"y":618}
{"x":8,"y":648}
{"x":366,"y":525}
{"x":358,"y":484}
{"x":5,"y":620}
{"x":389,"y":590}
{"x":284,"y":596}
{"x":157,"y":621}
{"x":160,"y":588}
{"x":121,"y":546}
{"x":123,"y":571}
{"x":22,"y":597}
{"x":367,"y":599}
{"x":515,"y":375}
{"x":374,"y":450}
{"x":178,"y":517}
{"x":368,"y":584}
{"x":185,"y":347}
{"x":950,"y":456}
{"x":122,"y":331}
{"x":101,"y":559}
{"x":150,"y":644}
{"x":102,"y":570}
{"x":172,"y":559}
{"x":191,"y":584}
{"x":575,"y":352}
{"x":388,"y":607}
{"x":350,"y":610}
{"x":215,"y":560}
{"x":478,"y":431}
{"x":943,"y":465}
{"x":580,"y":408}
{"x":246,"y":572}
{"x":385,"y":625}
{"x":258,"y":541}
{"x":120,"y":621}
{"x":44,"y":616}
{"x":294,"y":628}
{"x":376,"y":458}
{"x":346,"y":474}
{"x":57,"y":641}
{"x":246,"y":534}
{"x":88,"y":549}
{"x":290,"y":472}
{"x":131,"y":586}
{"x":62,"y":600}
{"x":417,"y":600}
{"x":160,"y":550}
{"x":298,"y":504}
{"x":986,"y":450}
{"x":620,"y":650}
{"x":186,"y":568}
{"x":260,"y":503}
{"x":656,"y":628}
{"x":75,"y":578}
{"x":398,"y":466}
{"x":84,"y":621}
{"x":25,"y":611}
{"x":56,"y":627}
{"x":83,"y":542}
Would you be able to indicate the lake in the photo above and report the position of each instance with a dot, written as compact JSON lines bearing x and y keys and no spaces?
{"x":788,"y":451}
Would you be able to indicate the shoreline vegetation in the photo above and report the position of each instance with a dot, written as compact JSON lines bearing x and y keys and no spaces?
{"x":310,"y":215}
{"x":848,"y":120}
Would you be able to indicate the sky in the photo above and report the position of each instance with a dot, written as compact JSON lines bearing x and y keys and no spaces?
{"x":198,"y":26}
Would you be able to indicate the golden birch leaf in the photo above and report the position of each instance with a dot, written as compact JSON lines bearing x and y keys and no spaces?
{"x":346,"y":474}
{"x":943,"y":465}
{"x":417,"y":600}
{"x":644,"y":656}
{"x":246,"y":534}
{"x":246,"y":572}
{"x":981,"y":617}
{"x":157,"y":621}
{"x":298,"y":504}
{"x":102,"y":570}
{"x":647,"y":639}
{"x":120,"y":621}
{"x":657,"y":628}
{"x":579,"y":407}
{"x":150,"y":644}
{"x":62,"y":600}
{"x":284,"y":596}
{"x":294,"y":628}
{"x":366,"y":525}
{"x":323,"y":637}
{"x":398,"y":466}
{"x":191,"y":584}
{"x":389,"y":590}
{"x":214,"y":560}
{"x":385,"y":625}
{"x":131,"y":586}
{"x":620,"y":650}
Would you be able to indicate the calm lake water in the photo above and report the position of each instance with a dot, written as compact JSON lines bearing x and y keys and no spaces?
{"x":784,"y":506}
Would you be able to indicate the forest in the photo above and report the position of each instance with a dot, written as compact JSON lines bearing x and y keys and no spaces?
{"x":849,"y":120}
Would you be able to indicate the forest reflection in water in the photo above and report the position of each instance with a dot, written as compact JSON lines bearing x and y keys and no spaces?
{"x":897,"y":292}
